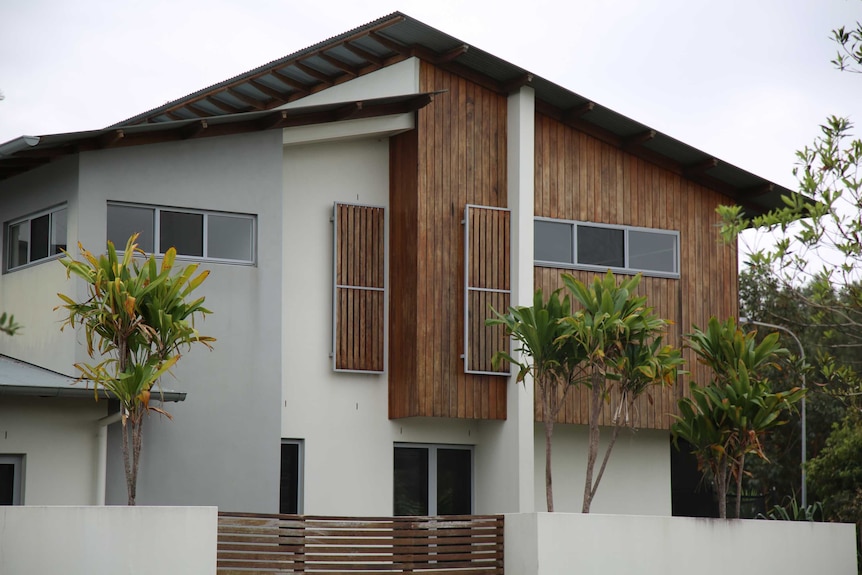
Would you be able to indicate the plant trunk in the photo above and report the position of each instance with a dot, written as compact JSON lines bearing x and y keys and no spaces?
{"x":595,"y":434}
{"x":549,"y":487}
{"x":127,"y":463}
{"x":604,"y":464}
{"x":132,"y":441}
{"x":721,"y":487}
{"x":739,"y":486}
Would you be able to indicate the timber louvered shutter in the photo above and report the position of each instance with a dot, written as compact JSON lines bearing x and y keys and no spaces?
{"x":487,"y":284}
{"x":358,"y":305}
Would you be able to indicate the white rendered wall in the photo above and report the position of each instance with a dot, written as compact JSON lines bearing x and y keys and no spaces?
{"x":30,"y":293}
{"x":342,"y":417}
{"x":57,"y":438}
{"x":636,"y":481}
{"x":555,"y":543}
{"x":108,"y":540}
{"x":395,"y":80}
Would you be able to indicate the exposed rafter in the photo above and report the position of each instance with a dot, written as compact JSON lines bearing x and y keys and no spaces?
{"x":343,"y":66}
{"x":253,"y":102}
{"x":638,"y":139}
{"x":700,"y":167}
{"x":315,"y":73}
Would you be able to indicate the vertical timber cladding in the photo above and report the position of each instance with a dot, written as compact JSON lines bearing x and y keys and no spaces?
{"x":581,"y":178}
{"x":460,"y":159}
{"x":359,"y":288}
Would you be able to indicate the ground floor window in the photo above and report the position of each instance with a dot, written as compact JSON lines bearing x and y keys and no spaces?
{"x":433,"y":479}
{"x":11,"y":469}
{"x":290,"y":493}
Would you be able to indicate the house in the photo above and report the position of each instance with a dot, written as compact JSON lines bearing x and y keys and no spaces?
{"x":360,"y":204}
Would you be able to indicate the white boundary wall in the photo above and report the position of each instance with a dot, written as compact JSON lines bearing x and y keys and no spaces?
{"x":554,"y":543}
{"x":108,"y":540}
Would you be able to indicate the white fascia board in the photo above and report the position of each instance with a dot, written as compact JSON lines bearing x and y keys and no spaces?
{"x":383,"y":126}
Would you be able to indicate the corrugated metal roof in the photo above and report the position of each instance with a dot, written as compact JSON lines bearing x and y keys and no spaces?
{"x":396,"y":37}
{"x":25,"y":379}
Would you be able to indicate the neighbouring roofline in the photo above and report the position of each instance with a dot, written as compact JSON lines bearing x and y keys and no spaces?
{"x":19,"y":378}
{"x":28,"y":152}
{"x":395,"y":38}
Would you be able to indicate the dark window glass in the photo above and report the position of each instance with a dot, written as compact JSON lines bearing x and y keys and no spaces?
{"x":58,"y":232}
{"x":601,"y":246}
{"x":229,"y":237}
{"x":40,"y":229}
{"x":552,"y":242}
{"x":289,"y":492}
{"x":7,"y":483}
{"x":183,"y":231}
{"x":123,"y":221}
{"x":652,"y":252}
{"x":411,"y":481}
{"x":454,"y":482}
{"x":19,"y":244}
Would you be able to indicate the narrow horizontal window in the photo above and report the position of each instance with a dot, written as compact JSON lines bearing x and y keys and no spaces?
{"x":600,"y":247}
{"x":37,"y":237}
{"x":193,"y":233}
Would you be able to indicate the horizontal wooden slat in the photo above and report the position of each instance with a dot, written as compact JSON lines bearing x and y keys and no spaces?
{"x":291,"y":543}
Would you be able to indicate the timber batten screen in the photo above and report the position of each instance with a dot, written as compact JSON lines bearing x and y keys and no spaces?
{"x":359,"y":291}
{"x":487,"y":284}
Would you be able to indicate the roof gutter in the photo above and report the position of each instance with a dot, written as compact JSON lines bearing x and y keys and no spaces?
{"x":20,"y":144}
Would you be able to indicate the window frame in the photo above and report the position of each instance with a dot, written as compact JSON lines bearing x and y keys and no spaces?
{"x":157,"y":249}
{"x":18,"y":462}
{"x":7,"y":230}
{"x":432,"y":472}
{"x":626,"y":268}
{"x":300,"y":473}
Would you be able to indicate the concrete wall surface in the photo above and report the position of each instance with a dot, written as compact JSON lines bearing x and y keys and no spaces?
{"x":554,"y":543}
{"x":108,"y":540}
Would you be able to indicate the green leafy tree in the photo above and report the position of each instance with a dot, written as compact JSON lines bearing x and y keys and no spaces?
{"x":835,"y":475}
{"x":543,"y":355}
{"x":830,"y":369}
{"x":618,"y":339}
{"x":8,"y":325}
{"x":137,"y":318}
{"x":727,"y":419}
{"x":818,"y":232}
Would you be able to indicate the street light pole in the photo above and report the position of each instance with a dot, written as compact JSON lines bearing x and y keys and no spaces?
{"x":802,"y":411}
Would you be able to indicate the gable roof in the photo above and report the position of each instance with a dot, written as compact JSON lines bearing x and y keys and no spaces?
{"x":397,"y":37}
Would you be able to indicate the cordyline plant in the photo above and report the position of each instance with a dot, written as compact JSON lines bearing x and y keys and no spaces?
{"x":137,"y":320}
{"x":8,"y":325}
{"x":725,"y":420}
{"x":546,"y":356}
{"x":613,"y":341}
{"x":619,"y":339}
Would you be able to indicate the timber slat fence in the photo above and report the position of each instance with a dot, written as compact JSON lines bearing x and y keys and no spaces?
{"x":250,"y":543}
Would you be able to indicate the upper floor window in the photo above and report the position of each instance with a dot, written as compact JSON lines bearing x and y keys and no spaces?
{"x":195,"y":233}
{"x":599,"y":247}
{"x":36,"y":237}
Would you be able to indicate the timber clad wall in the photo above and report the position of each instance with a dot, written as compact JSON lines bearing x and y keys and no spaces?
{"x":460,"y":159}
{"x":581,"y":178}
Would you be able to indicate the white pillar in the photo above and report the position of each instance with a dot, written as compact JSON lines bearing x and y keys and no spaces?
{"x":521,"y":132}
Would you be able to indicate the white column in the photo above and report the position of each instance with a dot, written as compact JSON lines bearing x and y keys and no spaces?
{"x":521,"y":178}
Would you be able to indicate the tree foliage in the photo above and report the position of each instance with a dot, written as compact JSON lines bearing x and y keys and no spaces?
{"x":8,"y":325}
{"x":137,"y":318}
{"x":613,"y":341}
{"x":619,"y":338}
{"x":543,"y":354}
{"x":726,"y":419}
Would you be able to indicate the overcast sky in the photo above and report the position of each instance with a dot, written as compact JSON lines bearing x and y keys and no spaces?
{"x":748,"y":81}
